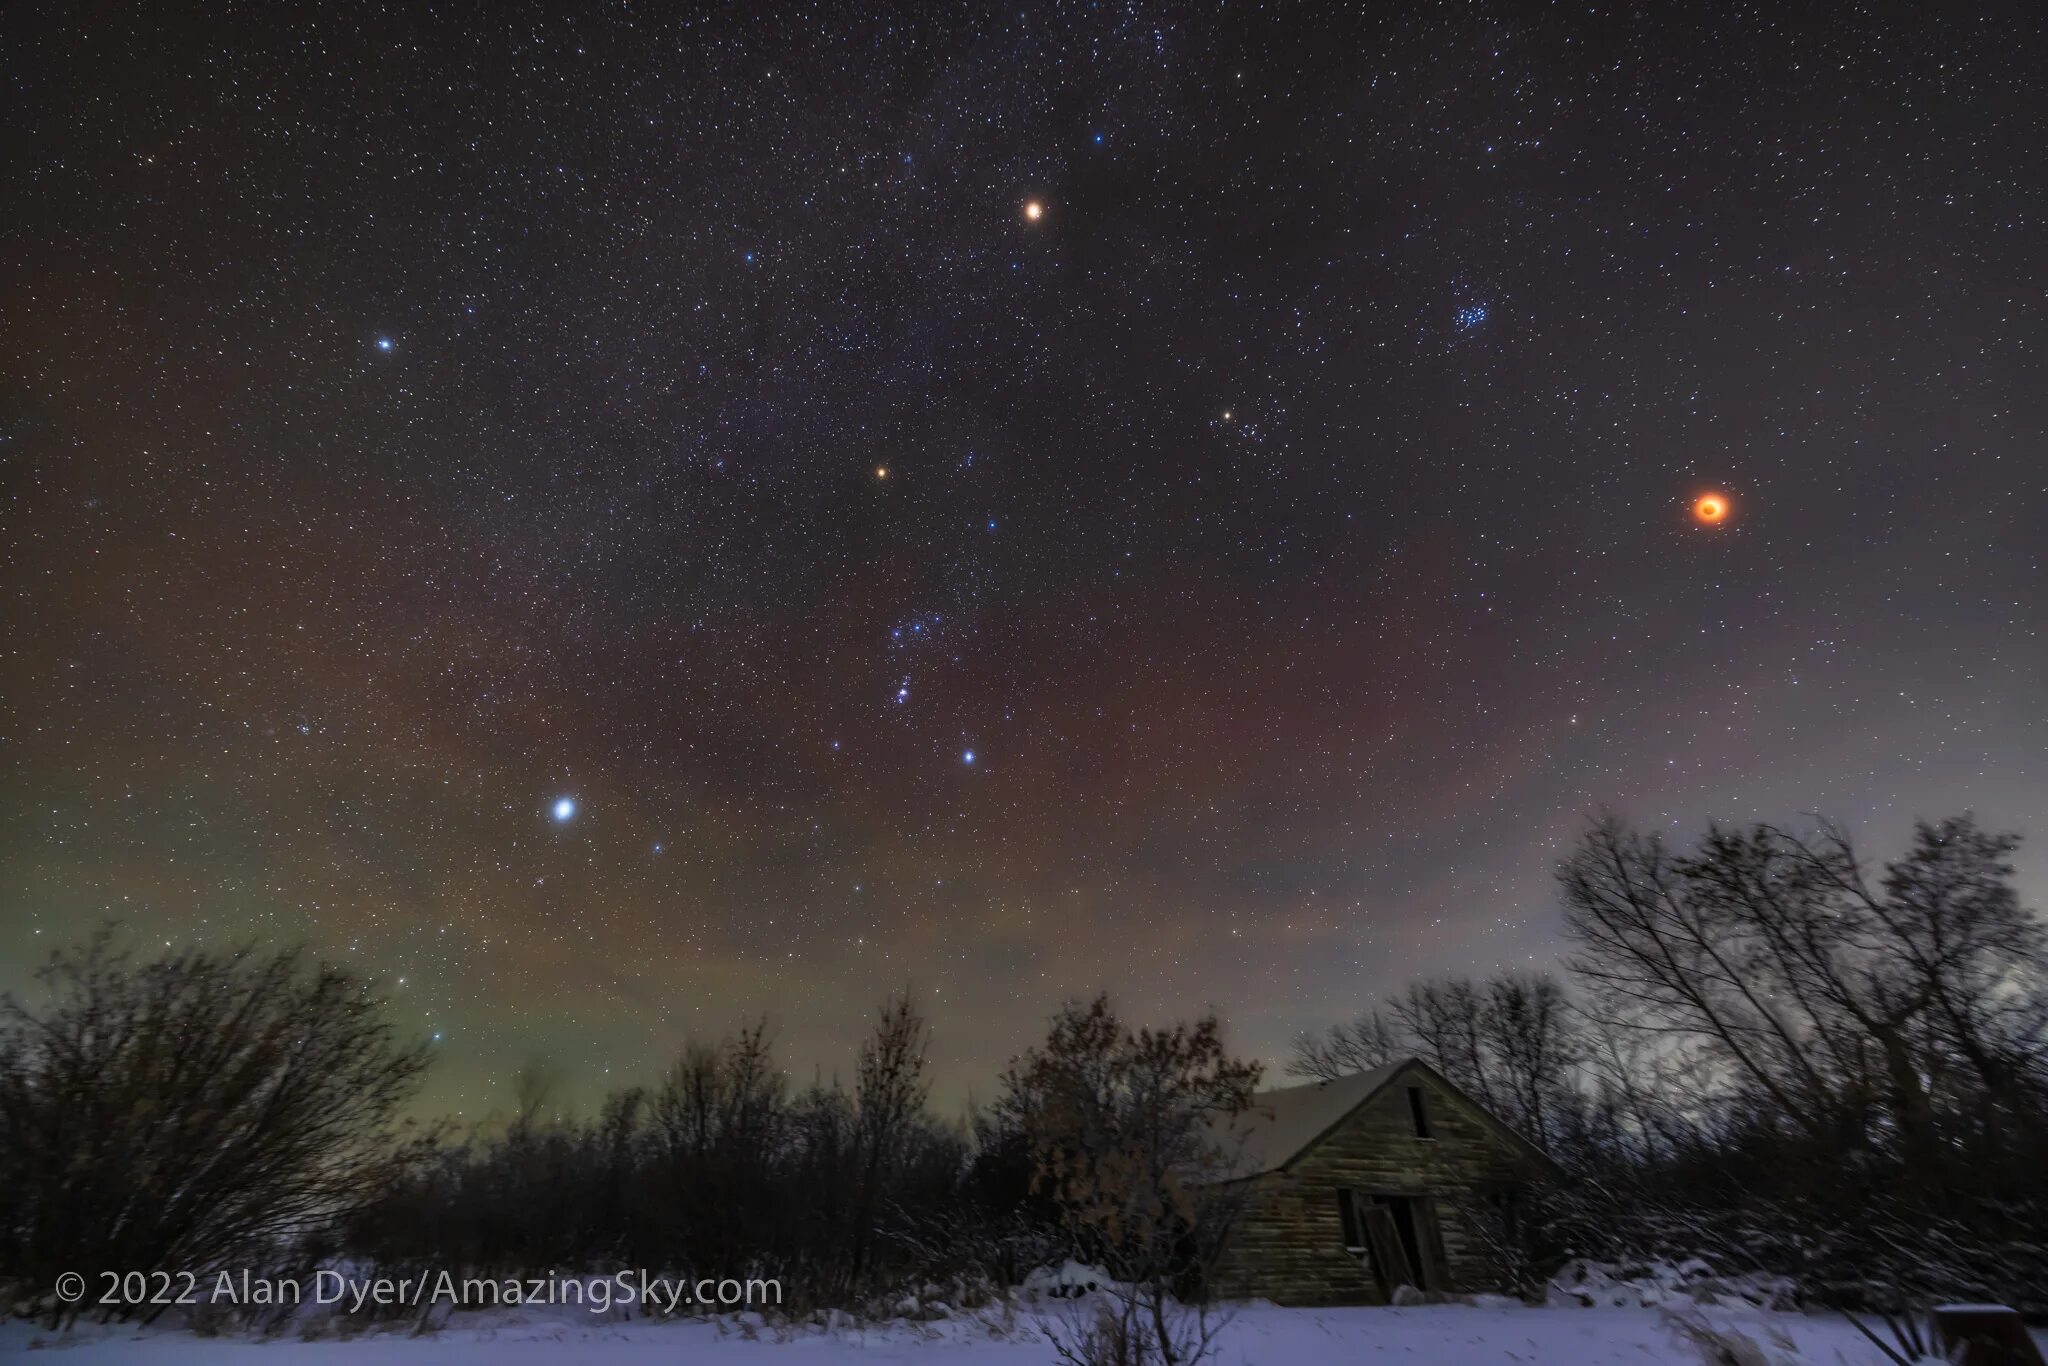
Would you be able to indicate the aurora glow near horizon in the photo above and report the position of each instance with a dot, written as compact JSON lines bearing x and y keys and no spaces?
{"x":630,"y":526}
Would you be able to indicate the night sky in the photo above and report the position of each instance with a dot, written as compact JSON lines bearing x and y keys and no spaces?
{"x":622,"y":522}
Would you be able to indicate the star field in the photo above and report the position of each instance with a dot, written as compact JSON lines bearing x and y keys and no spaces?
{"x":618,"y":523}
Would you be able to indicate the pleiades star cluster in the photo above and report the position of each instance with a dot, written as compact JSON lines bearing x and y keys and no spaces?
{"x":619,"y":520}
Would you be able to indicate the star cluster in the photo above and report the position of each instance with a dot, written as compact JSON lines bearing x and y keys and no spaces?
{"x":620,"y":522}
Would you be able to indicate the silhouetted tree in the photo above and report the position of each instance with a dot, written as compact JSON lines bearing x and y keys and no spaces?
{"x":188,"y":1112}
{"x":1838,"y":1075}
{"x":1358,"y":1045}
{"x":1131,"y":1136}
{"x":890,"y":1092}
{"x":1511,"y":1042}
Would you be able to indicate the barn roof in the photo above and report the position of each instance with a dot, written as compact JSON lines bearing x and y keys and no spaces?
{"x":1283,"y":1123}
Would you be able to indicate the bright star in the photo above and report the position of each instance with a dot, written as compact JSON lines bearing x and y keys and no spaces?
{"x":1033,"y":210}
{"x":565,"y":807}
{"x":383,"y":343}
{"x":968,"y":757}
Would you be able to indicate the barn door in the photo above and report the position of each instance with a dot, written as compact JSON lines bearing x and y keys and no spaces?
{"x":1388,"y":1256}
{"x":1429,"y":1242}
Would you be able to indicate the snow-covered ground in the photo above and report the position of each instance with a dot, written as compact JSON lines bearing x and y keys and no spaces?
{"x":1436,"y":1335}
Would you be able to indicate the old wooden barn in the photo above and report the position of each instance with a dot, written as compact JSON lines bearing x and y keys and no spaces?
{"x":1356,"y":1187}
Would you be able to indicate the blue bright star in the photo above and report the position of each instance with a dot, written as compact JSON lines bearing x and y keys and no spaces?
{"x":384,"y":343}
{"x":968,"y":757}
{"x":564,"y":808}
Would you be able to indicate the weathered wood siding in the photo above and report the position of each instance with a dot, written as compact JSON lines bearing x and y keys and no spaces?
{"x":1288,"y":1245}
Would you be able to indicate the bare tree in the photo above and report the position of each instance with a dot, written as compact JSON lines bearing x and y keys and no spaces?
{"x":186,"y":1112}
{"x":1846,"y":1007}
{"x":1960,"y":946}
{"x":1445,"y":1022}
{"x":1667,"y":961}
{"x":717,"y":1170}
{"x":1512,"y":1042}
{"x":892,"y":1084}
{"x":718,"y":1123}
{"x":1130,"y":1131}
{"x":1358,"y":1046}
{"x":720,"y":1100}
{"x":1531,"y":1035}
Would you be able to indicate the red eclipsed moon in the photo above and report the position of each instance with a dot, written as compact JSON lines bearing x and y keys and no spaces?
{"x":1710,"y":509}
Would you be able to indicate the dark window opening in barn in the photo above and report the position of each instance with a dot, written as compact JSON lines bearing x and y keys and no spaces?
{"x":1418,"y":1110}
{"x":1354,"y":1227}
{"x":1507,"y":1208}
